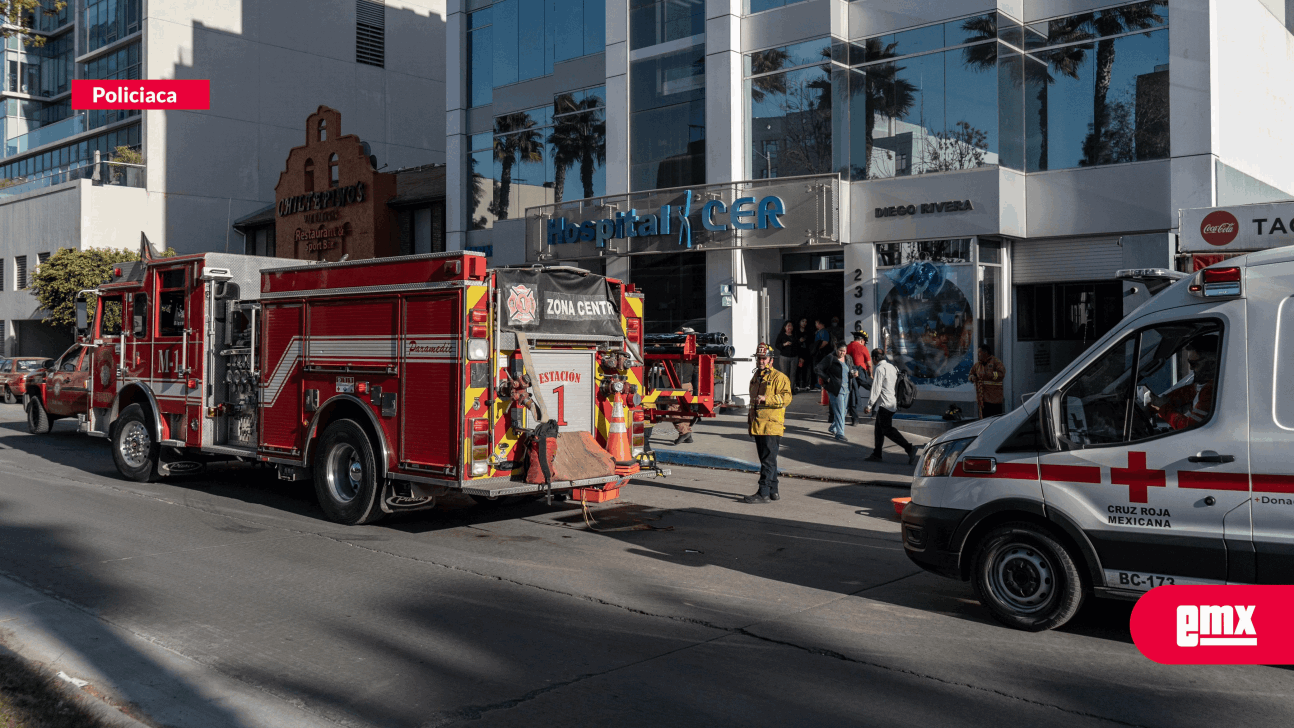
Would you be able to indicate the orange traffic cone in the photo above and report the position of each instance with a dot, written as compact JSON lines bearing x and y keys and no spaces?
{"x":618,"y":438}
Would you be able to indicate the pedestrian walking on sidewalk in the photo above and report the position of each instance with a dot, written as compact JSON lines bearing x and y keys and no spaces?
{"x":885,"y":403}
{"x":770,"y":393}
{"x":837,"y":371}
{"x":859,"y":386}
{"x":987,"y":375}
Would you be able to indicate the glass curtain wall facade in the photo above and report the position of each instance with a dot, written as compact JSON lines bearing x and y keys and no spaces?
{"x":1095,"y":87}
{"x":666,"y":93}
{"x":42,"y":75}
{"x":538,"y":157}
{"x":517,"y":40}
{"x":979,"y":91}
{"x":108,"y":21}
{"x":790,"y":92}
{"x":123,"y":63}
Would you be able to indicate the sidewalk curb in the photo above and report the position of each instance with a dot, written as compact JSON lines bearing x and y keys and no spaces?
{"x":722,"y":462}
{"x":87,"y":697}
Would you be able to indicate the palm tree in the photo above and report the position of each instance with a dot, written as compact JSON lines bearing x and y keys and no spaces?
{"x":1106,"y":23}
{"x":578,"y":137}
{"x":516,"y":140}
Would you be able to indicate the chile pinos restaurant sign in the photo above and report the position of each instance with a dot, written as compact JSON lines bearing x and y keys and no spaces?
{"x":745,"y":213}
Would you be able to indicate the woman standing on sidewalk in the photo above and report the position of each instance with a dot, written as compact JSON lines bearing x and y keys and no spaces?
{"x":836,"y":371}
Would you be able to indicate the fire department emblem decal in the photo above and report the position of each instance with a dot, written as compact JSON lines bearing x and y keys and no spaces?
{"x":58,"y":387}
{"x":522,"y":304}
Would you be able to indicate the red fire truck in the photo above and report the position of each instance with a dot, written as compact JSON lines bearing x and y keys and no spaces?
{"x":389,"y":382}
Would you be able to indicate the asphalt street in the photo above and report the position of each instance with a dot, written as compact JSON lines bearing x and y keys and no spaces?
{"x":225,"y":599}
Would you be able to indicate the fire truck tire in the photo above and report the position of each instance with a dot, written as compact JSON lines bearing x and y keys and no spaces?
{"x":345,"y":472}
{"x":134,"y":450}
{"x":1026,"y":578}
{"x":37,"y":417}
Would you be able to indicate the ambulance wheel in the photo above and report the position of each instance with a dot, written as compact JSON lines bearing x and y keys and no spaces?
{"x":37,"y":417}
{"x":1026,"y":578}
{"x":345,"y":471}
{"x":134,"y":450}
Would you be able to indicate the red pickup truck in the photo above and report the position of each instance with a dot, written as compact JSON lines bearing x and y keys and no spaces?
{"x":14,"y":372}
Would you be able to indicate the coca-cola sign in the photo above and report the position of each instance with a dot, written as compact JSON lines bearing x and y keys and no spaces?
{"x":1219,"y":228}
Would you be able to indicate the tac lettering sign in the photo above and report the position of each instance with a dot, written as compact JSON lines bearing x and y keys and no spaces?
{"x":1237,"y":229}
{"x":773,"y":212}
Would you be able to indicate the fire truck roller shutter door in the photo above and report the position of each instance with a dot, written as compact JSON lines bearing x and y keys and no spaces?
{"x":281,"y":376}
{"x":432,"y":380}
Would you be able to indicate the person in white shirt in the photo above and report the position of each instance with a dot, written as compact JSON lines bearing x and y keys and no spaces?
{"x":884,"y":402}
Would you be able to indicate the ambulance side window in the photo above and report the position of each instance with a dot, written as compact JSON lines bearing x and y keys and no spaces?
{"x":1177,"y":373}
{"x":139,"y":322}
{"x":1094,"y":407}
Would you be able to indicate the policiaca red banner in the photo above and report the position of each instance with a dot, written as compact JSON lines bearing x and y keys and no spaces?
{"x":137,"y":94}
{"x":1236,"y":624}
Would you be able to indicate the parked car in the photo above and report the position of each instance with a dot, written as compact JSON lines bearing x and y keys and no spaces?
{"x":14,"y":372}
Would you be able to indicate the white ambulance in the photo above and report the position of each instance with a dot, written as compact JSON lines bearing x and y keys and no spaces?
{"x":1163,"y":455}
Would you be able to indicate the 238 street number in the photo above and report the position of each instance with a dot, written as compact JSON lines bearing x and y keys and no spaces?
{"x":858,"y":293}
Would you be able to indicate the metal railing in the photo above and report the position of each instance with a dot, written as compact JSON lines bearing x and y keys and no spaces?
{"x":120,"y":174}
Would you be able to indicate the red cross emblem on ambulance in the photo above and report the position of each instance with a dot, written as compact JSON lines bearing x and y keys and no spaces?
{"x":1138,"y":478}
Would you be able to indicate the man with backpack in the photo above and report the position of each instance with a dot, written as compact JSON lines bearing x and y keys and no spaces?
{"x":885,"y":401}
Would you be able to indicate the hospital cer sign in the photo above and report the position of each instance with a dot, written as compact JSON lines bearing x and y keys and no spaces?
{"x":746,"y":213}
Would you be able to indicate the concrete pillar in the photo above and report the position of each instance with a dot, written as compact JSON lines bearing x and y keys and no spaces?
{"x":617,"y":55}
{"x":740,"y":320}
{"x":456,"y":141}
{"x":860,"y":272}
{"x":725,"y":117}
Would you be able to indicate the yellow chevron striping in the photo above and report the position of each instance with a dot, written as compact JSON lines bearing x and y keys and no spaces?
{"x":635,"y":307}
{"x":475,"y":294}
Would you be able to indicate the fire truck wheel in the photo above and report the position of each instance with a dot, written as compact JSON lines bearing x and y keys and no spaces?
{"x":37,"y":417}
{"x":346,"y":475}
{"x":1026,"y":578}
{"x":133,"y":448}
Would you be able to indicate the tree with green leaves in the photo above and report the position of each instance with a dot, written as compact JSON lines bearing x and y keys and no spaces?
{"x":127,"y":155}
{"x":20,"y":16}
{"x":68,"y":272}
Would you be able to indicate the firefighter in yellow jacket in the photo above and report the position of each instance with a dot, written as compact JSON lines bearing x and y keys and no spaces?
{"x":770,"y":393}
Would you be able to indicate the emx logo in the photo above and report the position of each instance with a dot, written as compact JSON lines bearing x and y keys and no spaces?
{"x":1215,"y":625}
{"x":1208,"y":625}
